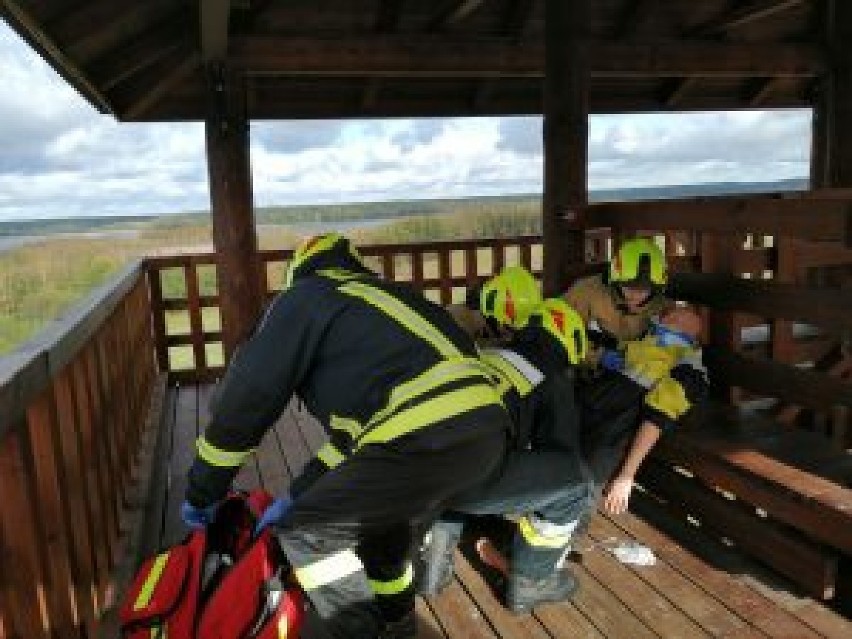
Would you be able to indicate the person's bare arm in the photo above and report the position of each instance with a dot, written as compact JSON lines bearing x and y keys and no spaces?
{"x":617,"y":494}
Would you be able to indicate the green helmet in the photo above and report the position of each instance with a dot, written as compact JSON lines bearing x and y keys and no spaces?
{"x":510,"y":297}
{"x":639,"y":262}
{"x":565,"y":325}
{"x":320,"y":245}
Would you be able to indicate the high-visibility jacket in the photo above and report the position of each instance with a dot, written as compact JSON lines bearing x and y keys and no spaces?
{"x":370,"y":359}
{"x":607,"y":322}
{"x":537,"y":385}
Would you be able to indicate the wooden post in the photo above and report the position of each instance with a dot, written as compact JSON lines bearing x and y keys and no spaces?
{"x":566,"y":133}
{"x":229,"y":168}
{"x":833,"y":116}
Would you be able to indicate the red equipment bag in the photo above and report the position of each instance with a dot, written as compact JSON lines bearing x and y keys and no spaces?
{"x":220,"y":583}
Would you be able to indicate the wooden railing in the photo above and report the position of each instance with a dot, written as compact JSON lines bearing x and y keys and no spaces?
{"x":73,"y":406}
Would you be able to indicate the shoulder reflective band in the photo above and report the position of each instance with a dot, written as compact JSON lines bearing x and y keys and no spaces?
{"x":338,"y":274}
{"x":431,"y":411}
{"x":329,"y":455}
{"x":402,"y":314}
{"x":346,"y":425}
{"x":438,"y":375}
{"x":523,"y":376}
{"x":545,"y":536}
{"x":668,"y":397}
{"x":328,"y":570}
{"x":219,"y":457}
{"x":147,"y":590}
{"x":394,"y":586}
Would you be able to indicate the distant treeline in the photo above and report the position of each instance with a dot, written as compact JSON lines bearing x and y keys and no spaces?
{"x":331,"y":213}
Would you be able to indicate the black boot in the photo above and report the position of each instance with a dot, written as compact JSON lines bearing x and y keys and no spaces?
{"x":535,"y":576}
{"x":434,"y":571}
{"x":524,"y":593}
{"x":403,"y":628}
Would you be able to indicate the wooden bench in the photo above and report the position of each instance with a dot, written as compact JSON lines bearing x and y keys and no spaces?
{"x":782,"y":495}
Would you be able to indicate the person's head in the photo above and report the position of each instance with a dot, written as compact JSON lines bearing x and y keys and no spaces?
{"x":564,"y":326}
{"x":328,"y":250}
{"x":678,"y":326}
{"x":510,"y":297}
{"x":637,"y":273}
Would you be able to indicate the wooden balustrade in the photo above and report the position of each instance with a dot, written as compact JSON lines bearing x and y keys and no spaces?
{"x":73,"y":406}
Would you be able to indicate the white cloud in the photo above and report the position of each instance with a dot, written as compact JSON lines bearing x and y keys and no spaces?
{"x":59,"y":158}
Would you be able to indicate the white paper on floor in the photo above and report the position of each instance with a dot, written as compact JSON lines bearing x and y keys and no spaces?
{"x":634,"y":553}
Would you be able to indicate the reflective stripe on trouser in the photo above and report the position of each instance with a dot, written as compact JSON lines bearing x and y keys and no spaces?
{"x":386,"y":557}
{"x":536,"y":555}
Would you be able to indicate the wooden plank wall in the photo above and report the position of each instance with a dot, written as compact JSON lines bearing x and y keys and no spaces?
{"x":67,"y":463}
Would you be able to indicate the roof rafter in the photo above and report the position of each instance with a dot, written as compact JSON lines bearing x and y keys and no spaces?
{"x":748,"y":13}
{"x":213,"y":19}
{"x":135,"y":98}
{"x":452,"y":12}
{"x":494,"y":57}
{"x":32,"y":32}
{"x":760,"y":90}
{"x":676,"y":91}
{"x":387,"y":21}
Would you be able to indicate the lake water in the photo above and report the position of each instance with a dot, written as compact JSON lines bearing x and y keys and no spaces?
{"x":9,"y":243}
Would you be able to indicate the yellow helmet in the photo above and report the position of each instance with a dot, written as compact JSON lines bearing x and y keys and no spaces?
{"x":563,"y":323}
{"x":639,"y":261}
{"x":510,"y":297}
{"x":311,"y":248}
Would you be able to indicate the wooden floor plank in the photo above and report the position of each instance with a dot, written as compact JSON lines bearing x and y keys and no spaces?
{"x":647,"y":604}
{"x":505,"y":623}
{"x":608,"y":614}
{"x":704,"y":610}
{"x":291,"y":441}
{"x":565,"y":621}
{"x":428,"y":626}
{"x":184,"y":434}
{"x":738,"y":597}
{"x":459,"y":615}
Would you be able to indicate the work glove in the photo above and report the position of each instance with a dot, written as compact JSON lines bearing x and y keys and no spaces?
{"x":612,"y":360}
{"x":276,"y":511}
{"x":196,"y":517}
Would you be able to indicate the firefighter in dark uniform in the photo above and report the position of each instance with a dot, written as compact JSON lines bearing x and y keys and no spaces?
{"x":499,"y":305}
{"x":544,"y":478}
{"x":407,"y":405}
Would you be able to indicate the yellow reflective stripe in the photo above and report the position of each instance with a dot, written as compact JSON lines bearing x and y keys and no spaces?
{"x":328,"y":570}
{"x":347,"y":425}
{"x":329,"y":455}
{"x":668,"y":397}
{"x":339,"y":275}
{"x":160,"y":632}
{"x":219,"y":457}
{"x":534,"y":538}
{"x":430,"y":411}
{"x":283,"y":627}
{"x":394,"y":586}
{"x":435,"y":377}
{"x":147,"y":590}
{"x":399,"y":312}
{"x":507,"y":371}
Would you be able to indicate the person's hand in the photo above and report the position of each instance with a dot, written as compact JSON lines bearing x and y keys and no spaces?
{"x":617,"y":495}
{"x":276,"y":511}
{"x":196,"y":517}
{"x":612,"y":360}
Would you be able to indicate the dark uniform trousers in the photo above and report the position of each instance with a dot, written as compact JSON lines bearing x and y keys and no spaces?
{"x":369,"y":505}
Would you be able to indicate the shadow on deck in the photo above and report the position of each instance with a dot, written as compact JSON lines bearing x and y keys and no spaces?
{"x":699,"y":586}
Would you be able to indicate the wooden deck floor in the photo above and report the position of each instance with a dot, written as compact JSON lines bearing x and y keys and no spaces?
{"x":706,"y":591}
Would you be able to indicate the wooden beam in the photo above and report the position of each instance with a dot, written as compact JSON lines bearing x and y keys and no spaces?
{"x":566,"y":138}
{"x":761,"y":90}
{"x":231,"y":202}
{"x":839,"y":98}
{"x":213,"y":18}
{"x":388,"y":16}
{"x":625,"y":22}
{"x":153,"y":83}
{"x":49,"y":49}
{"x":824,"y":307}
{"x":516,"y":20}
{"x":444,"y":56}
{"x":452,"y":12}
{"x":746,"y":14}
{"x":815,"y":216}
{"x":120,"y":63}
{"x":677,"y":91}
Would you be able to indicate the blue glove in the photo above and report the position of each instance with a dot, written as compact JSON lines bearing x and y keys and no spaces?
{"x":195,"y":517}
{"x":612,"y":360}
{"x":277,"y":510}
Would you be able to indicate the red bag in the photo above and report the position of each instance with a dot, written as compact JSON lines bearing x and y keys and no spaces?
{"x":220,"y":583}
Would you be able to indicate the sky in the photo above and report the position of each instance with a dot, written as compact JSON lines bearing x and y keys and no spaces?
{"x":59,"y":158}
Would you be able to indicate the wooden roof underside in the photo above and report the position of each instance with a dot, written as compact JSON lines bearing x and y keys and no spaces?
{"x":142,"y":60}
